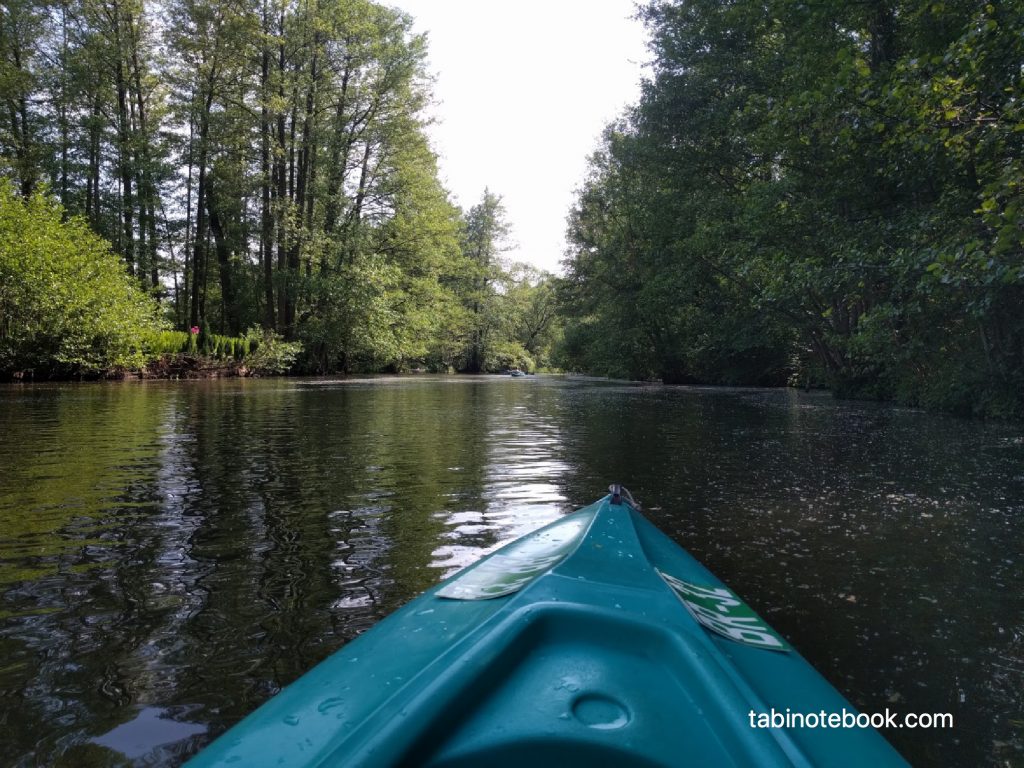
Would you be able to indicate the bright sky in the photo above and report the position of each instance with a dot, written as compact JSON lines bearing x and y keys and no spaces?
{"x":523,"y":90}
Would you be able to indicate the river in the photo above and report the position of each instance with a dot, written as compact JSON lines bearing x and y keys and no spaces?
{"x":173,"y":553}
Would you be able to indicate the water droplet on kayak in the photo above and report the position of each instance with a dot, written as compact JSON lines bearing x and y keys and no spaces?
{"x":567,"y":684}
{"x":291,"y":720}
{"x":328,"y":704}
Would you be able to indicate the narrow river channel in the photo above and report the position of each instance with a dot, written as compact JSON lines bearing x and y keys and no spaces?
{"x":172,"y":554}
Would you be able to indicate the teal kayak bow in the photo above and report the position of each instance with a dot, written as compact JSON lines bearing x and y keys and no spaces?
{"x":594,"y":641}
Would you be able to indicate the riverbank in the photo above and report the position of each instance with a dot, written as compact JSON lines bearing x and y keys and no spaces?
{"x":169,"y":367}
{"x":185,"y":367}
{"x":178,"y":355}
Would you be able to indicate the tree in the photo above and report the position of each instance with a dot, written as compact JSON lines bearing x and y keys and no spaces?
{"x":486,"y":236}
{"x":21,"y":28}
{"x":263,"y":162}
{"x":533,"y":299}
{"x":813,"y":190}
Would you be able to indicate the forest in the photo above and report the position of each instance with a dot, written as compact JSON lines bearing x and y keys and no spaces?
{"x":813,"y":193}
{"x":805,"y":194}
{"x":259,"y":170}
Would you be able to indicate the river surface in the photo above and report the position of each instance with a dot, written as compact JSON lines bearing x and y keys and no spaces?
{"x":173,"y":553}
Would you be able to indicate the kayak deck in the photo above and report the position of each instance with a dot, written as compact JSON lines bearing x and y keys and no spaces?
{"x":593,"y":661}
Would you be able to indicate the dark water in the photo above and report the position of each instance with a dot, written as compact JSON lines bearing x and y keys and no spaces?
{"x":172,"y":554}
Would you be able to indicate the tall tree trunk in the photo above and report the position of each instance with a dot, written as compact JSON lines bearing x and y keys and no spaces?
{"x":354,"y":219}
{"x":92,"y":192}
{"x":283,"y":278}
{"x":223,"y":249}
{"x":124,"y":150}
{"x":154,"y":264}
{"x":62,"y":109}
{"x":22,"y":131}
{"x":186,"y":269}
{"x":882,"y":31}
{"x":310,"y":135}
{"x":146,"y":187}
{"x":197,"y":316}
{"x":303,"y":206}
{"x":341,"y":144}
{"x":266,"y":216}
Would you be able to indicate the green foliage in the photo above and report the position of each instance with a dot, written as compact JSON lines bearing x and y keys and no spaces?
{"x":507,"y":355}
{"x":264,"y":164}
{"x":214,"y":346}
{"x":164,"y":342}
{"x":224,"y":347}
{"x":360,"y":324}
{"x":525,"y":311}
{"x":484,"y":238}
{"x":845,"y":184}
{"x":66,"y":304}
{"x":269,"y":352}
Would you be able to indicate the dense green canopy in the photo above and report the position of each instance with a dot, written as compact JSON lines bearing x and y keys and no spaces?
{"x":818,"y":191}
{"x":260,"y":162}
{"x":806,"y":192}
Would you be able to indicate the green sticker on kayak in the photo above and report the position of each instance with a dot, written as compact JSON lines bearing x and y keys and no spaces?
{"x":721,"y":611}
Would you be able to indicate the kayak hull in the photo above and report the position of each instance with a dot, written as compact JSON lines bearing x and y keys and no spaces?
{"x":593,"y":661}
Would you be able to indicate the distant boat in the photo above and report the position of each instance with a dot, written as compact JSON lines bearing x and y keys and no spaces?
{"x":593,"y":641}
{"x":516,"y":372}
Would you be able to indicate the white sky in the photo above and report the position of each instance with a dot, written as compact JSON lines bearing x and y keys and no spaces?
{"x":523,"y":91}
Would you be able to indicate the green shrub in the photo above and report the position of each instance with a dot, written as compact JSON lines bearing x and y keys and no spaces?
{"x":213,"y":345}
{"x":269,"y":352}
{"x":506,"y":355}
{"x":228,"y":347}
{"x":156,"y":343}
{"x":66,"y":303}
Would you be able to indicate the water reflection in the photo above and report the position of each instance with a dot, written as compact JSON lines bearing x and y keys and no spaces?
{"x":151,"y":729}
{"x":172,"y":554}
{"x":521,"y":474}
